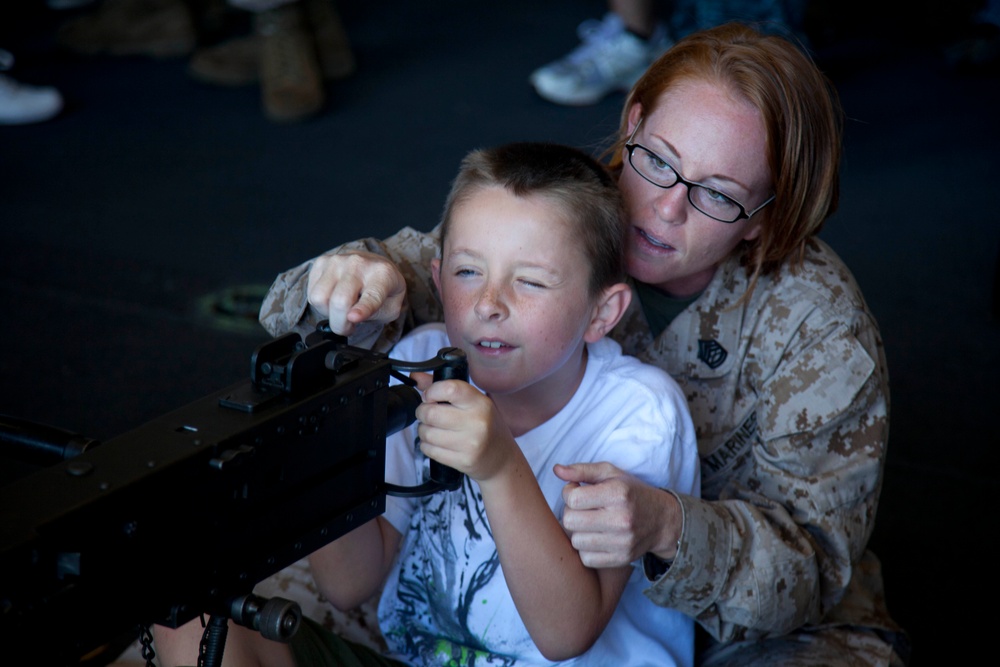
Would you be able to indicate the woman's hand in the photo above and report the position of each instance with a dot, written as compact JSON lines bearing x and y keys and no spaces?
{"x":613,"y":518}
{"x":354,"y":287}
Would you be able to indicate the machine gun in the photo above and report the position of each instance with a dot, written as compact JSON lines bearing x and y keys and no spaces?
{"x":186,"y":514}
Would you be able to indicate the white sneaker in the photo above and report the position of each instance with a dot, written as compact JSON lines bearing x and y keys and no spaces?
{"x":21,"y":104}
{"x":609,"y":59}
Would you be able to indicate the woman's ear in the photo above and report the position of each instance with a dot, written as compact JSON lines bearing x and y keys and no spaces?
{"x":634,"y":114}
{"x":753,"y":229}
{"x":608,"y":310}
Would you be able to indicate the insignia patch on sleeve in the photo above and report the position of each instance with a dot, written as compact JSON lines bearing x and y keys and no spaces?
{"x":712,"y":353}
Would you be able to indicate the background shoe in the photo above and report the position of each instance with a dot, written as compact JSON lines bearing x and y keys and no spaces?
{"x":333,"y":47}
{"x":609,"y":59}
{"x":21,"y":104}
{"x":158,"y":28}
{"x":235,"y":62}
{"x":290,"y":83}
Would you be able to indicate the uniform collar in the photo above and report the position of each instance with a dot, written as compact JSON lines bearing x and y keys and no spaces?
{"x":702,"y":341}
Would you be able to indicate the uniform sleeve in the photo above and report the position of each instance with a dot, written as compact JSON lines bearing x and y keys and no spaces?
{"x":776,"y":550}
{"x":286,"y":307}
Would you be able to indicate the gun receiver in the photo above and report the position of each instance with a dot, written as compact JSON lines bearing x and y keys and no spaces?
{"x":185,"y":514}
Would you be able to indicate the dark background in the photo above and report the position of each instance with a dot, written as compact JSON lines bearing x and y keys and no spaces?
{"x":138,"y":228}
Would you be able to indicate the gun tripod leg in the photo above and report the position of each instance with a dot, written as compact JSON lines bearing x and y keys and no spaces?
{"x":213,"y":642}
{"x":276,"y":619}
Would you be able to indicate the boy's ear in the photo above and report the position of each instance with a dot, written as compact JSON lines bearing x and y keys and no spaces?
{"x":610,"y":308}
{"x":436,"y":273}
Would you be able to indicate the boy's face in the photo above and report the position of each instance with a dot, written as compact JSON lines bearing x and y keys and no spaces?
{"x":514,"y":284}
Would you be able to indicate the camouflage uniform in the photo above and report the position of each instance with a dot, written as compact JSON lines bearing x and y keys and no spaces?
{"x":789,"y":396}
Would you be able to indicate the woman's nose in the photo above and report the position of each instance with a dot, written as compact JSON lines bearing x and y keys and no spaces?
{"x":672,"y":203}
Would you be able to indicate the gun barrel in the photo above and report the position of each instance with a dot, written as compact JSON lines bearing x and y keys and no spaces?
{"x":39,"y":444}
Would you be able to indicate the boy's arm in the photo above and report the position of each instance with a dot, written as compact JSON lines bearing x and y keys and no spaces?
{"x":564,"y":605}
{"x":351,"y":569}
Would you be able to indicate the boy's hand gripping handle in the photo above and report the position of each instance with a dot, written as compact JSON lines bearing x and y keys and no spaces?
{"x":449,"y":364}
{"x":455,"y":367}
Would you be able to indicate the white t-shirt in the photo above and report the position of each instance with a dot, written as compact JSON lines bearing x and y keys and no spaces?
{"x":446,"y":600}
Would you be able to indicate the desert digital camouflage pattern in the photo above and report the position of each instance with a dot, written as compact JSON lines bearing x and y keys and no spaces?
{"x":789,"y":395}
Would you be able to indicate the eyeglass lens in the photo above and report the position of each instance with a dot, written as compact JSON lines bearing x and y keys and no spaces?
{"x":658,"y":172}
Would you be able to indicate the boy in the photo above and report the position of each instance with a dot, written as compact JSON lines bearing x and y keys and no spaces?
{"x":530,"y":277}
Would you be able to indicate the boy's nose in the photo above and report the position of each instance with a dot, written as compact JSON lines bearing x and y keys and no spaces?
{"x":491,"y":304}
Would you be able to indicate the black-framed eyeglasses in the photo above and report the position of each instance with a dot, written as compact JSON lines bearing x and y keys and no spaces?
{"x":707,"y":200}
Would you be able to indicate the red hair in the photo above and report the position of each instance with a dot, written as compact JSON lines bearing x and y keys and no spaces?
{"x":802,"y":119}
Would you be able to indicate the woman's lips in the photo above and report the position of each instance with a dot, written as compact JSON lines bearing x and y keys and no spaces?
{"x":653,"y":241}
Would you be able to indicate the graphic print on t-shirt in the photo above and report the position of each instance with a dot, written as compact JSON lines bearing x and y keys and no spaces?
{"x":449,"y":571}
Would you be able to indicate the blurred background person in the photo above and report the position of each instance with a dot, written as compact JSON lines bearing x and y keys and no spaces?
{"x":288,"y":47}
{"x":615,"y":51}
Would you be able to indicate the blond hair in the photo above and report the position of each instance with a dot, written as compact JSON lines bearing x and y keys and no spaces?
{"x":582,"y":186}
